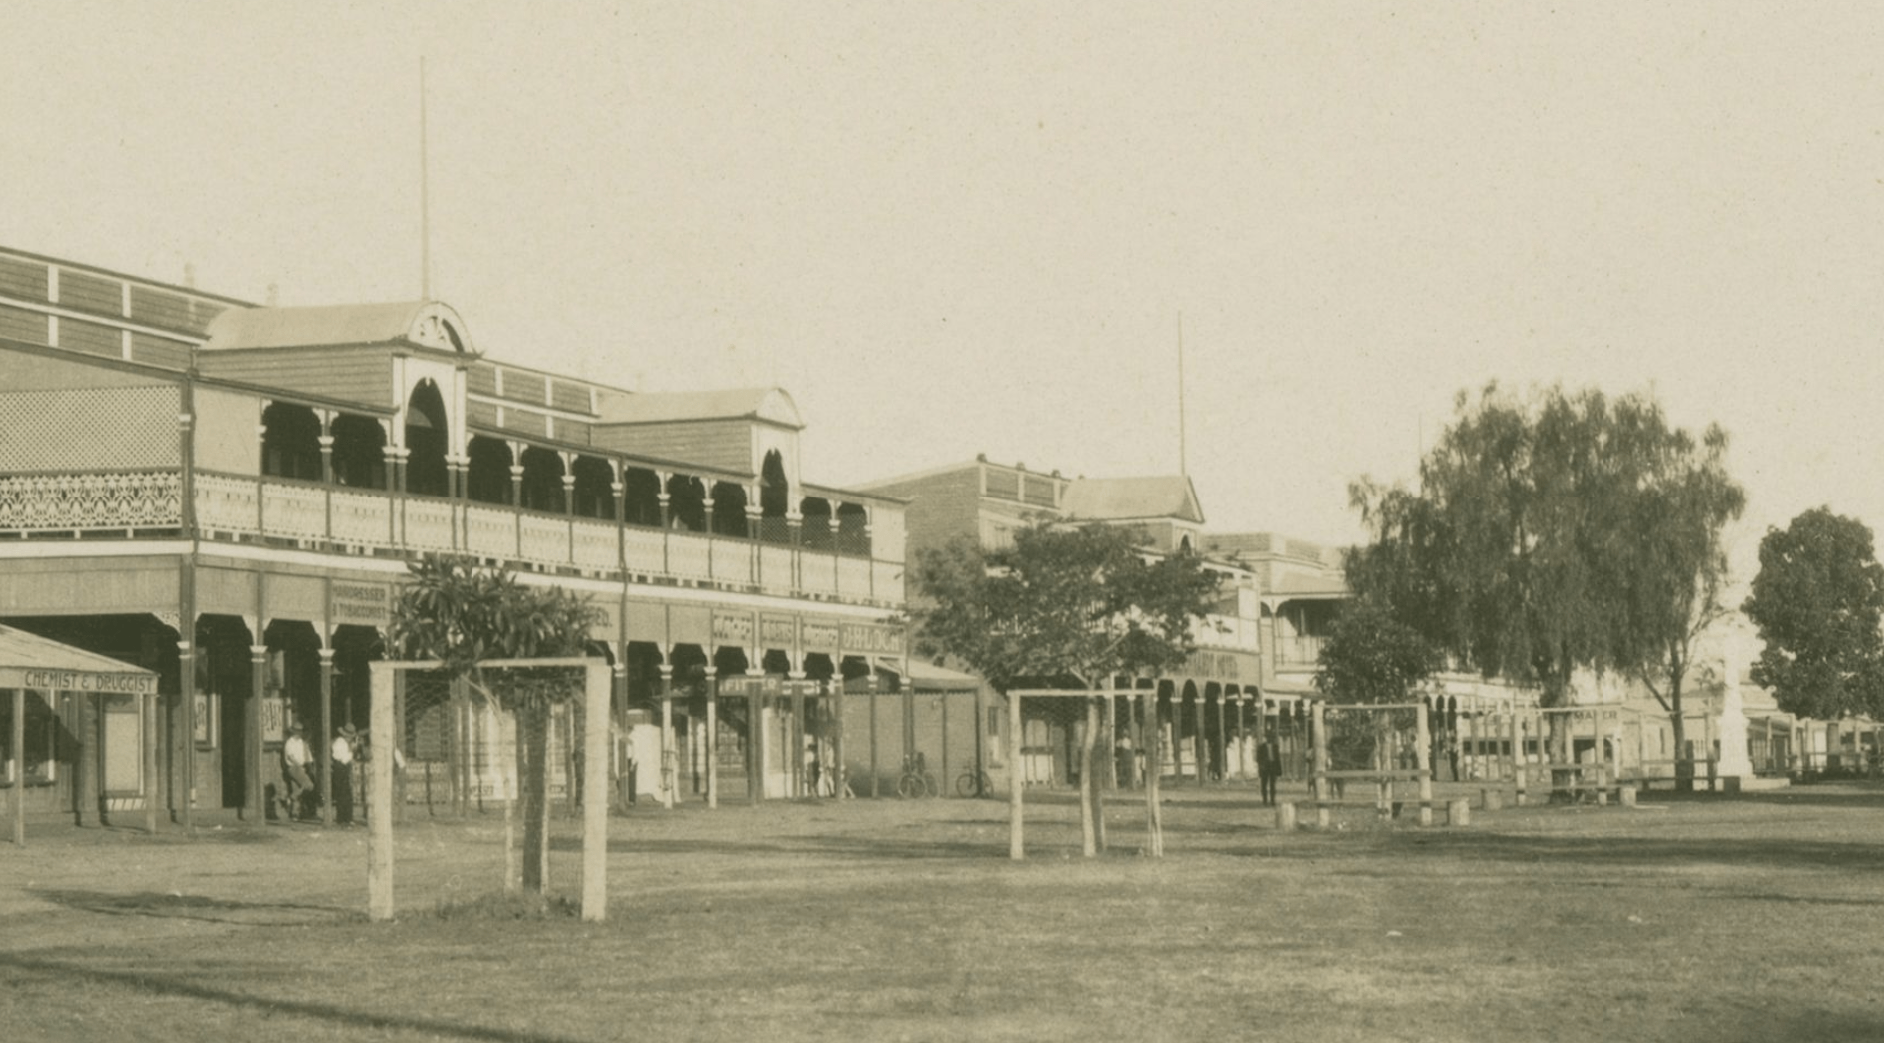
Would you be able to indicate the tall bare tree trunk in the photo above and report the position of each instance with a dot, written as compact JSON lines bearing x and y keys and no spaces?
{"x":533,"y":779}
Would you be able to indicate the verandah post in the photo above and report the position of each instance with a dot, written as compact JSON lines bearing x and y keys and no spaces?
{"x":19,"y":767}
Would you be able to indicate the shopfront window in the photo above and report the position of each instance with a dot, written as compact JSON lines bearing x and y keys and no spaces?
{"x":39,"y":764}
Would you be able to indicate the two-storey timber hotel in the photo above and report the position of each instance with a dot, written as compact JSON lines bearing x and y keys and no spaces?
{"x":227,"y":495}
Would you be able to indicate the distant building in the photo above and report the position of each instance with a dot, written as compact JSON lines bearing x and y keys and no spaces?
{"x":1211,"y":711}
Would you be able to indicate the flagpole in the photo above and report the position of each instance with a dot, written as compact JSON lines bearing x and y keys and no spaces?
{"x":425,"y":200}
{"x":1183,"y":456}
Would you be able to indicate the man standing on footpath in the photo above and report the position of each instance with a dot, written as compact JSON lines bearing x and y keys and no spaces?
{"x":343,"y":776}
{"x":295,"y":759}
{"x":1268,"y":767}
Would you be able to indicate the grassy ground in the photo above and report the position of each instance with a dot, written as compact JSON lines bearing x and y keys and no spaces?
{"x":1751,"y":918}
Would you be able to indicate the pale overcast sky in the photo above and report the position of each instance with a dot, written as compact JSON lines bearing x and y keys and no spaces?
{"x":952,"y":228}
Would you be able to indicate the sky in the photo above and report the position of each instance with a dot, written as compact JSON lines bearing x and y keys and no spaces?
{"x":960,"y":228}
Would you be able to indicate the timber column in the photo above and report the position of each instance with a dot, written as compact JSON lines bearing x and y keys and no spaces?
{"x":252,"y":808}
{"x":670,"y":775}
{"x":713,"y":735}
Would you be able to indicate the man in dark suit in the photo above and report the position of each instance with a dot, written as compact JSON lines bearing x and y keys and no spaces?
{"x":1268,"y":767}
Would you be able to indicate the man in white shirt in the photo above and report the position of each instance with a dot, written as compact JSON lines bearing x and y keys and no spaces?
{"x":295,"y":759}
{"x":343,"y":776}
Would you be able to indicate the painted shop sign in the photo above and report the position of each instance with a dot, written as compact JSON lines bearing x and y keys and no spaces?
{"x":1223,"y":666}
{"x":365,"y":604}
{"x":82,"y":681}
{"x":778,"y":632}
{"x":732,"y":629}
{"x":869,"y":638}
{"x":821,"y":637}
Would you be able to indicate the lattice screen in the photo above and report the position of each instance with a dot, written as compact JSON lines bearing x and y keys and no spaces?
{"x":89,"y":429}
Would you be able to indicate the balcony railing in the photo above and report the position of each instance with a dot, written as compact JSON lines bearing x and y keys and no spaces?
{"x":101,"y":502}
{"x":330,"y":517}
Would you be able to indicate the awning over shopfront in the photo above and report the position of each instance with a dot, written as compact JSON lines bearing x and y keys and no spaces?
{"x":928,"y":677}
{"x":30,"y":661}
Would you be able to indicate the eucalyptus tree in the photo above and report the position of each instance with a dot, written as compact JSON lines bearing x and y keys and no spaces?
{"x":1553,"y":534}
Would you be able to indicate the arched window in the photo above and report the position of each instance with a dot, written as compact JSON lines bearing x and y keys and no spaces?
{"x":641,"y":496}
{"x":729,"y":509}
{"x":542,"y":480}
{"x":774,"y":500}
{"x":595,"y":497}
{"x":291,"y":446}
{"x":488,"y":480}
{"x":359,"y":452}
{"x":817,"y":524}
{"x":427,"y":439}
{"x":853,"y":529}
{"x":686,"y":503}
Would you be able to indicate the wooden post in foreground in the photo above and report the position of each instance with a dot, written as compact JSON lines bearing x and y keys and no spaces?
{"x":1423,"y":736}
{"x":1016,"y":779}
{"x":379,"y":834}
{"x":1088,"y":833}
{"x":594,"y":790}
{"x":1151,"y":741}
{"x":1517,"y":755}
{"x":1318,"y":783}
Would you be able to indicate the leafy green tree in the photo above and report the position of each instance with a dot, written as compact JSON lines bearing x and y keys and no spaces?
{"x":464,"y":617}
{"x":1676,"y":561}
{"x":1817,"y":601}
{"x":1567,"y":532}
{"x":1062,"y":606}
{"x":1370,"y":658}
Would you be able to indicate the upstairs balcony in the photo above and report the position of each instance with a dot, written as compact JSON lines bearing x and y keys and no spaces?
{"x":1227,"y":632}
{"x":1298,"y":652}
{"x":328,"y":518}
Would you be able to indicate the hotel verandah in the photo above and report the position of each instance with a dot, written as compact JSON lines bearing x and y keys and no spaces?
{"x":228,"y":494}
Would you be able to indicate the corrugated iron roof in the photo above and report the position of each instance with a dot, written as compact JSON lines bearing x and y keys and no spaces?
{"x":1112,"y":499}
{"x":665,"y":407}
{"x":335,"y":324}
